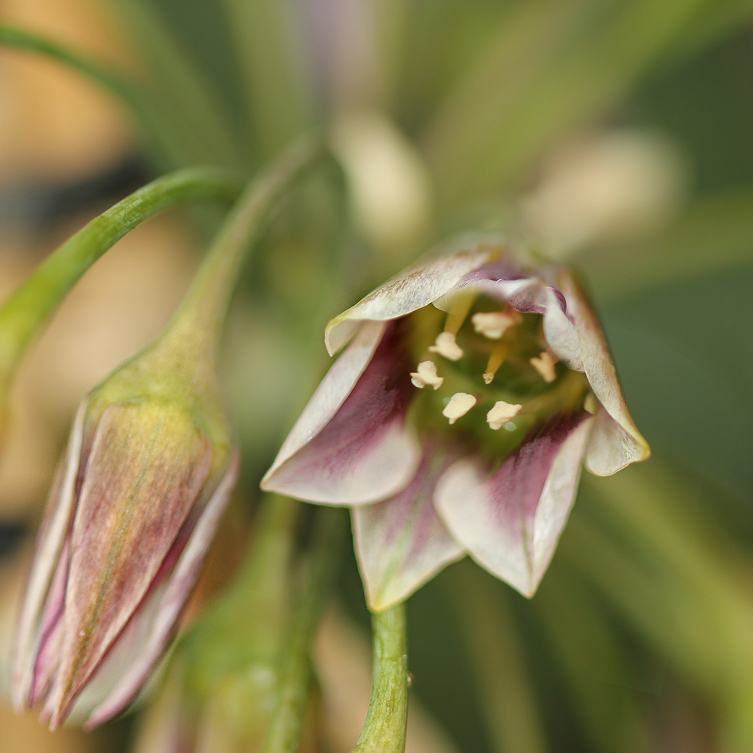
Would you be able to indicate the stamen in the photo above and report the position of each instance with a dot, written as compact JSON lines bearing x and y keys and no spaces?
{"x":446,"y":346}
{"x":460,"y":403}
{"x":501,"y":413}
{"x":493,"y":324}
{"x":426,"y":374}
{"x":461,"y":305}
{"x":496,"y":359}
{"x":591,"y":404}
{"x":544,"y":364}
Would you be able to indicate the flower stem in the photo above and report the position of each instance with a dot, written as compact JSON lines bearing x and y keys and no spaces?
{"x":384,"y":730}
{"x":197,"y":324}
{"x":27,"y":310}
{"x":287,"y":720}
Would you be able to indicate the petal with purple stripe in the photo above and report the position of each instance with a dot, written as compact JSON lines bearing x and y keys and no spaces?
{"x":50,"y":543}
{"x":510,"y":522}
{"x":365,"y":452}
{"x":402,"y":542}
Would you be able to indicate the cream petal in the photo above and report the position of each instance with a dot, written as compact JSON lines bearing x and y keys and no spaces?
{"x":414,"y":288}
{"x":50,"y":542}
{"x":360,"y":450}
{"x":401,"y":542}
{"x":510,"y":522}
{"x":616,"y":441}
{"x":151,"y":632}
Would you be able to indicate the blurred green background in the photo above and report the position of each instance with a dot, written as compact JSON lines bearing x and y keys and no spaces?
{"x":611,"y":134}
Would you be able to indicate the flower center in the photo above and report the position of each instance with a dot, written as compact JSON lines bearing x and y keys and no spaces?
{"x":488,"y":367}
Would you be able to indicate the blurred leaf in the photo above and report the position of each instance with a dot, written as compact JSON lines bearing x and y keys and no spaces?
{"x":198,"y":125}
{"x":712,"y":235}
{"x":509,"y":704}
{"x":602,"y":61}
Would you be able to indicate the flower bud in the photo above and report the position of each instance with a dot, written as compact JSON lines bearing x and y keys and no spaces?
{"x":133,"y":509}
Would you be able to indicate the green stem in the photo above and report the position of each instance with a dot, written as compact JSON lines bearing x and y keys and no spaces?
{"x":197,"y":324}
{"x":287,"y":721}
{"x":128,"y":92}
{"x":384,"y":730}
{"x":24,"y":314}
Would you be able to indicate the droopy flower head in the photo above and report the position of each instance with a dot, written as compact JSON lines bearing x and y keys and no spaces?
{"x":135,"y":504}
{"x":457,"y":418}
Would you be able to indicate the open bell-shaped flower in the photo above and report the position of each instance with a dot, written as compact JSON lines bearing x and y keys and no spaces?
{"x":134,"y":507}
{"x":457,"y":419}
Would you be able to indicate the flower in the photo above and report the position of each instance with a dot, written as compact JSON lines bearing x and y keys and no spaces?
{"x":462,"y":437}
{"x":136,"y":501}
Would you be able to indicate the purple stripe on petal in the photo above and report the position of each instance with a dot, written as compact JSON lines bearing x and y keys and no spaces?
{"x":401,"y":542}
{"x":365,"y":452}
{"x":157,"y":618}
{"x":50,"y":542}
{"x":510,"y":521}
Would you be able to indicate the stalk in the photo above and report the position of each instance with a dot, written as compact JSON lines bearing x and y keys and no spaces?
{"x":384,"y":730}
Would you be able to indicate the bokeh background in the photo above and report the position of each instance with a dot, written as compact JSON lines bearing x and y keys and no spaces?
{"x":612,"y":134}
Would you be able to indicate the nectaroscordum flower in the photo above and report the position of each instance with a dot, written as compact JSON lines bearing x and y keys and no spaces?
{"x":457,"y":419}
{"x":134,"y":507}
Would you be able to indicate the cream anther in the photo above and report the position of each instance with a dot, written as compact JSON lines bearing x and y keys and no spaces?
{"x":460,"y":403}
{"x":501,"y":413}
{"x":426,"y":374}
{"x":446,"y":346}
{"x":492,"y":325}
{"x":591,"y":404}
{"x":544,"y":364}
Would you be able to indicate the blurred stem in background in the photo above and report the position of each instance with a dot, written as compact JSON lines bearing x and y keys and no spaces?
{"x":314,"y":587}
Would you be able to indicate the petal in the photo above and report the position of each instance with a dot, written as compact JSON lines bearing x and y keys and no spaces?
{"x":146,"y":470}
{"x":510,"y":522}
{"x":50,"y":542}
{"x":401,"y":542}
{"x":364,"y":452}
{"x":330,"y":395}
{"x":616,"y":441}
{"x":533,"y":296}
{"x":413,"y":289}
{"x":158,"y":617}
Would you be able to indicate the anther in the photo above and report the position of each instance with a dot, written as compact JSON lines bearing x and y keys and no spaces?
{"x":496,"y":359}
{"x":446,"y":346}
{"x":591,"y":404}
{"x":544,"y":364}
{"x":493,"y":324}
{"x":501,"y":413}
{"x":460,"y":403}
{"x":426,"y":374}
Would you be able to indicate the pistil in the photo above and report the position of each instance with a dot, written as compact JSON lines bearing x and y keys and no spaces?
{"x":496,"y":359}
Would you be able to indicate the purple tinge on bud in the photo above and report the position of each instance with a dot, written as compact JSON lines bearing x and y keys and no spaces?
{"x":518,"y":381}
{"x":131,"y":514}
